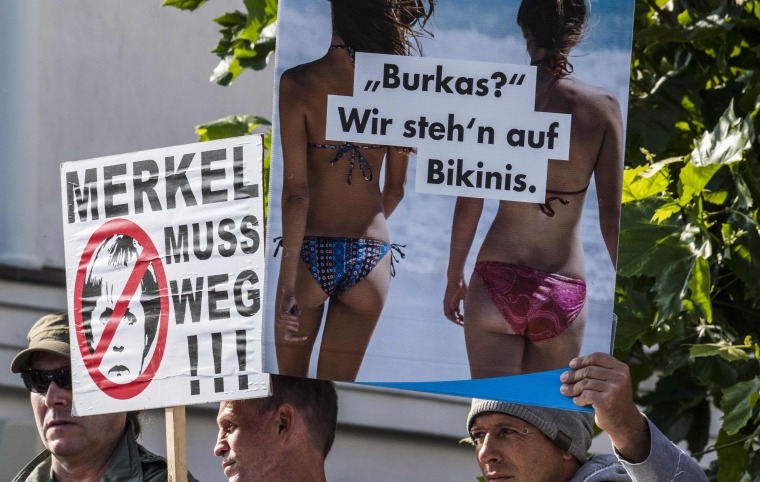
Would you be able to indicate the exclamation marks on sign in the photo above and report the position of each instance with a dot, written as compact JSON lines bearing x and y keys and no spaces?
{"x":192,"y":349}
{"x":216,"y":349}
{"x":242,"y":379}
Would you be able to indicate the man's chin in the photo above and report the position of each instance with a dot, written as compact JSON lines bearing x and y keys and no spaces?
{"x":231,"y":472}
{"x":63,"y":446}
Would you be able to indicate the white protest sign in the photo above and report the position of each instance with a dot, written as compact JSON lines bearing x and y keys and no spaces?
{"x":474,"y":123}
{"x":164,"y":274}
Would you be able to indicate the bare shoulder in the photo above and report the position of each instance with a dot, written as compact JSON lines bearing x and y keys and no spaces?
{"x":296,"y":78}
{"x":299,"y":87}
{"x":596,"y":100}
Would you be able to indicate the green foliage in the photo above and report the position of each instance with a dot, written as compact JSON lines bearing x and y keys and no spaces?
{"x":247,"y":38}
{"x":247,"y":41}
{"x":230,"y":126}
{"x":190,"y":5}
{"x":688,"y":295}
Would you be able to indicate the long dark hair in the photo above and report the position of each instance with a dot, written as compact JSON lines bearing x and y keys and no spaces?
{"x":554,"y":25}
{"x":381,"y":26}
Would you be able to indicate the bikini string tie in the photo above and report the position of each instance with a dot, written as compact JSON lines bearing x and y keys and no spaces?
{"x":396,"y":249}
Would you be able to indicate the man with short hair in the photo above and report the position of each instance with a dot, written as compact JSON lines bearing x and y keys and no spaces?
{"x":81,"y":449}
{"x":526,"y":443}
{"x":284,"y":437}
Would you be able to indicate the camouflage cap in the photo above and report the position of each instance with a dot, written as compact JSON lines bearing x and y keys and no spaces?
{"x":50,"y":334}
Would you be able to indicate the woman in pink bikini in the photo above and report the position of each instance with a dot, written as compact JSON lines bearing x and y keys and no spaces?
{"x":525,"y":307}
{"x":335,"y":238}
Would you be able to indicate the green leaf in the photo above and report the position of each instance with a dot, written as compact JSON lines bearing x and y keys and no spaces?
{"x":256,"y":8}
{"x":726,"y":143}
{"x":652,"y":120}
{"x":693,"y":180}
{"x":737,"y":404}
{"x":684,"y":18}
{"x":727,"y":352}
{"x":662,"y":251}
{"x":226,"y":71}
{"x":665,"y":212}
{"x":639,"y":237}
{"x":749,"y":172}
{"x":634,"y":318}
{"x":699,"y":287}
{"x":671,"y":265}
{"x":742,"y":257}
{"x":265,"y":174}
{"x":714,"y":370}
{"x":744,"y":196}
{"x":232,"y":19}
{"x":260,"y":17}
{"x":732,"y":457}
{"x":190,"y":5}
{"x":642,"y":182}
{"x":252,"y":31}
{"x":716,"y":197}
{"x":231,"y":126}
{"x":258,"y":58}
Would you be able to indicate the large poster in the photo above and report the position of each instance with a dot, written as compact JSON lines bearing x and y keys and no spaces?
{"x":164,"y":274}
{"x":446,"y":221}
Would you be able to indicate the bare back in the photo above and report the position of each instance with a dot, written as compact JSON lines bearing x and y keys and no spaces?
{"x":525,"y":234}
{"x":337,"y":207}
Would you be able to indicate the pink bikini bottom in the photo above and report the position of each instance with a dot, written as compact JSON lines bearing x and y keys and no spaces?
{"x":536,"y":304}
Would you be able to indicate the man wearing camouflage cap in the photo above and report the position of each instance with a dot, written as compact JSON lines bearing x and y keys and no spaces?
{"x":523,"y":443}
{"x":93,"y":448}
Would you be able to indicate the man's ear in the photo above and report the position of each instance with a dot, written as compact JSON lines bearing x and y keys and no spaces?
{"x":567,"y":456}
{"x":284,"y":417}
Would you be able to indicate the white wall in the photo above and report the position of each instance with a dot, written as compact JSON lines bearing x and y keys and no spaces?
{"x":86,"y":78}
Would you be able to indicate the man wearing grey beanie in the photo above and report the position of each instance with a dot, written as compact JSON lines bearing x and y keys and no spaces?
{"x":522,"y":443}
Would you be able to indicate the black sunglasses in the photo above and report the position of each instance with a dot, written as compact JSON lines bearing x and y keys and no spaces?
{"x":38,"y":381}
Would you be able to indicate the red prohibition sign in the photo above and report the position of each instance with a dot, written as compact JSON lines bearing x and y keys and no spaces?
{"x":148,"y":257}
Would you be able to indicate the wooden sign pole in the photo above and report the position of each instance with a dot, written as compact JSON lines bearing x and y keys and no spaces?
{"x":176,"y":443}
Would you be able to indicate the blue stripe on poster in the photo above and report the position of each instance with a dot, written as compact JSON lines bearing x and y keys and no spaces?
{"x":532,"y":389}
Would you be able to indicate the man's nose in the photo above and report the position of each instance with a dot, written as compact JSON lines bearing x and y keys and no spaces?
{"x":57,"y":396}
{"x":488,"y":450}
{"x":221,"y":446}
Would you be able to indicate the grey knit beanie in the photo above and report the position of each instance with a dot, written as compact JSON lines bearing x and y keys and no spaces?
{"x":569,"y":430}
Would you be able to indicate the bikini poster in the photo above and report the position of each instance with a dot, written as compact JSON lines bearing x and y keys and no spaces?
{"x":445,"y":222}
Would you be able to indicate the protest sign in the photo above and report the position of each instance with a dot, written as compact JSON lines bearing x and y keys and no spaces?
{"x":165,"y":273}
{"x":462,"y":136}
{"x":509,"y":162}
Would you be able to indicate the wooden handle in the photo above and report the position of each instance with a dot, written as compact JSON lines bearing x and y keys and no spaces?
{"x":176,"y":444}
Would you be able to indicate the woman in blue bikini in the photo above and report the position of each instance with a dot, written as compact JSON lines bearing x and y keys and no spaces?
{"x":334,"y":210}
{"x":525,"y":307}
